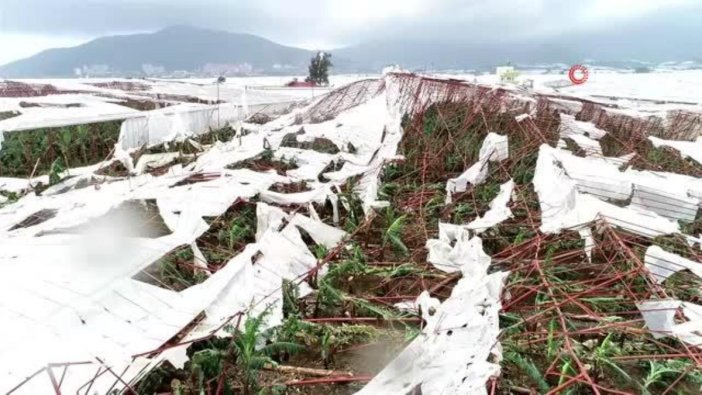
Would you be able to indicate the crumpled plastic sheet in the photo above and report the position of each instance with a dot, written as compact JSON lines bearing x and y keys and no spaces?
{"x":586,"y":136}
{"x":564,"y":207}
{"x":498,"y":212}
{"x":17,"y":185}
{"x":280,"y":254}
{"x":594,"y":176}
{"x":676,"y":205}
{"x":454,"y":246}
{"x":667,"y":194}
{"x":73,"y":309}
{"x":374,"y":129}
{"x":663,"y":264}
{"x":670,"y":195}
{"x":592,"y":148}
{"x":495,"y":148}
{"x":446,"y":252}
{"x":451,"y":354}
{"x":154,"y":160}
{"x":586,"y":235}
{"x":680,"y":184}
{"x":659,"y":316}
{"x":570,"y":127}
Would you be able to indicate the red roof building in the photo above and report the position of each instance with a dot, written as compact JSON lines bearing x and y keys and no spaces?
{"x":300,"y":84}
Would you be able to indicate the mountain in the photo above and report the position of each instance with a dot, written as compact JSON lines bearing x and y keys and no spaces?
{"x":173,"y":48}
{"x":660,"y":38}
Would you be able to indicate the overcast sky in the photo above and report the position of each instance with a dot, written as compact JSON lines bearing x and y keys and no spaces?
{"x":29,"y":26}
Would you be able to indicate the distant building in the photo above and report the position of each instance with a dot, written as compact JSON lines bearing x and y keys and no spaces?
{"x":179,"y":74}
{"x":94,"y":70}
{"x":150,"y":69}
{"x":279,"y":67}
{"x":507,"y":73}
{"x":227,"y":68}
{"x":295,"y":83}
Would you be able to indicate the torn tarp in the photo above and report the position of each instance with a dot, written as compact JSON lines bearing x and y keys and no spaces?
{"x":659,"y":316}
{"x":564,"y":207}
{"x":495,"y":148}
{"x":663,"y":264}
{"x":451,"y":355}
{"x":89,"y":311}
{"x":498,"y":212}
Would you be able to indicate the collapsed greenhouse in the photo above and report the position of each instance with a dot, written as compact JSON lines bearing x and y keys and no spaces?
{"x":399,"y":235}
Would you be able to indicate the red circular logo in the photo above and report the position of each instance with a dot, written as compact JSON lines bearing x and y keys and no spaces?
{"x":578,"y":74}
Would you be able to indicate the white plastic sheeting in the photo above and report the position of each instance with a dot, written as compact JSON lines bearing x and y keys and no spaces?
{"x":495,"y":148}
{"x":454,"y":245}
{"x":592,"y":148}
{"x":663,"y":264}
{"x":92,"y":110}
{"x":451,"y":354}
{"x":17,"y":185}
{"x":570,"y":127}
{"x":672,"y":203}
{"x":585,"y":134}
{"x":72,"y":297}
{"x":448,"y":252}
{"x":564,"y":207}
{"x":587,"y":137}
{"x":498,"y":211}
{"x":364,"y":126}
{"x":173,"y":124}
{"x":594,"y":176}
{"x":669,"y":195}
{"x":659,"y":316}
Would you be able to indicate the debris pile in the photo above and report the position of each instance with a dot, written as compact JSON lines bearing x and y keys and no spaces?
{"x":405,"y":234}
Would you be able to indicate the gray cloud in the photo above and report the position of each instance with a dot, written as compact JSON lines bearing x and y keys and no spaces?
{"x":330,"y":21}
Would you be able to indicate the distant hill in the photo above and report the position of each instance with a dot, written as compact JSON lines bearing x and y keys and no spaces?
{"x":660,"y":37}
{"x":173,"y":48}
{"x":627,"y":49}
